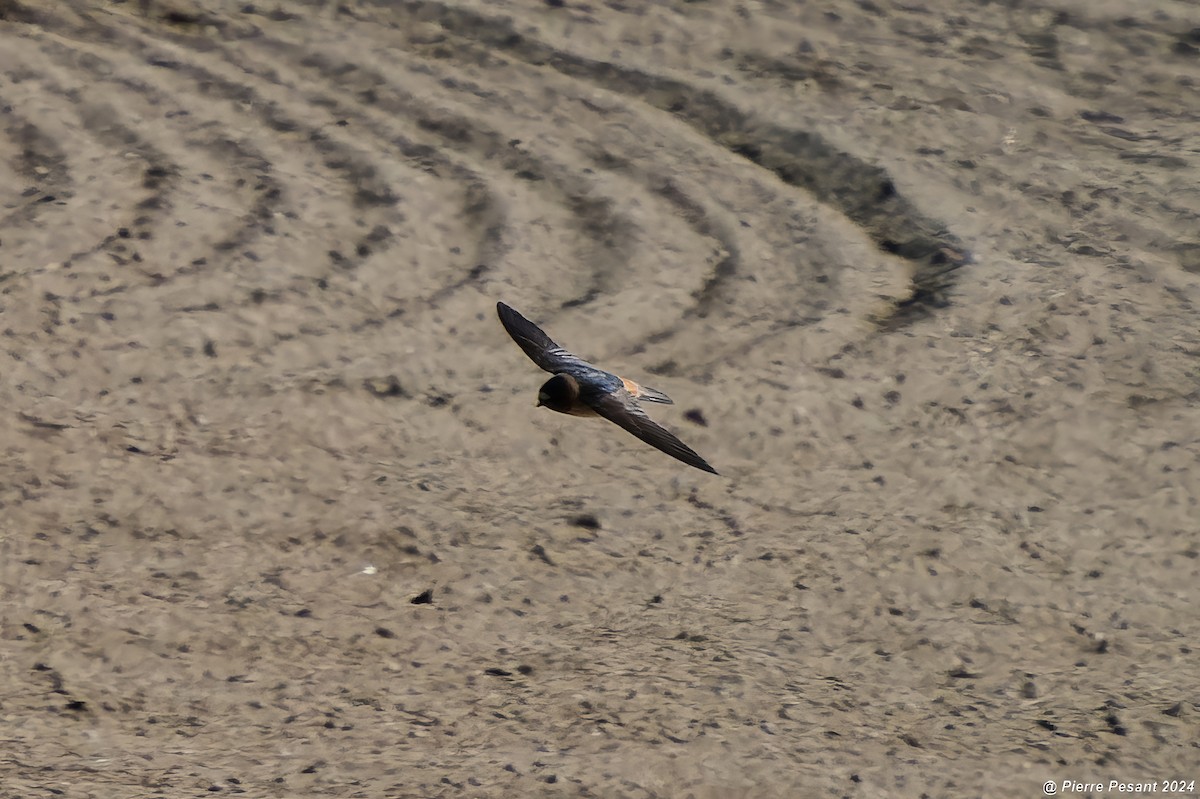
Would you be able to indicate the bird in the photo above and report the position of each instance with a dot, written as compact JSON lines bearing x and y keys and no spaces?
{"x":580,"y":389}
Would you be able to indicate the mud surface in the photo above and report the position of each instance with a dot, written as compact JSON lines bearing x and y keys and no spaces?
{"x":279,"y":517}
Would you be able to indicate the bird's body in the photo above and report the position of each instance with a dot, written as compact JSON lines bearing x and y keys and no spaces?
{"x":580,"y":389}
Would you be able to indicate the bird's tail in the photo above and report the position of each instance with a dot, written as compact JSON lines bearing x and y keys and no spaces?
{"x":645,"y":393}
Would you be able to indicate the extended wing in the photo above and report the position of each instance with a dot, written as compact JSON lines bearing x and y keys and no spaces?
{"x":540,"y":348}
{"x":621,"y":408}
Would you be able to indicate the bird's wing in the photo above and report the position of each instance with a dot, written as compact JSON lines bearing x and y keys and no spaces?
{"x":540,"y":348}
{"x":621,"y":408}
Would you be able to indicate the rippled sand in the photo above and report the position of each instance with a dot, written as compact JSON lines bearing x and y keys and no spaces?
{"x":278,"y":516}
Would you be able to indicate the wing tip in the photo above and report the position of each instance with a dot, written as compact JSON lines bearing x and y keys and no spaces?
{"x":511,"y":318}
{"x":694,"y":459}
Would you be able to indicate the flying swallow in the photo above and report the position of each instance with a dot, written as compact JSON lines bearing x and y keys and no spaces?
{"x":580,"y":389}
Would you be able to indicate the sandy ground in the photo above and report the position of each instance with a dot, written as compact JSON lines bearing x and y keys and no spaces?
{"x":279,"y":517}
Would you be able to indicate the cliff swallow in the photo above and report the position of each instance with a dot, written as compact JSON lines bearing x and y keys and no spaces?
{"x":580,"y":389}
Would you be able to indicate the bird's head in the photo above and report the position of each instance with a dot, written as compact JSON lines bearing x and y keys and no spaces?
{"x":559,"y":393}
